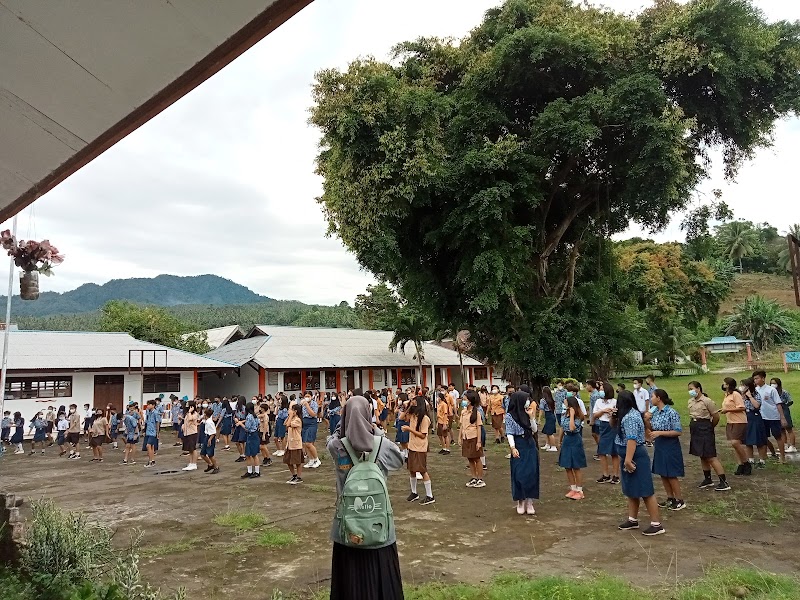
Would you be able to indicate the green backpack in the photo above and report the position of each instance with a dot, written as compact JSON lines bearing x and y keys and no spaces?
{"x":364,"y":509}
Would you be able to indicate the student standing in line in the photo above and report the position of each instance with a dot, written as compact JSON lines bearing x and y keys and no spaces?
{"x":88,"y":415}
{"x":594,"y":393}
{"x":519,"y":422}
{"x":704,"y":418}
{"x":252,"y":446}
{"x":443,"y":423}
{"x":176,"y":414}
{"x":280,"y":426}
{"x":113,"y":428}
{"x":771,"y":412}
{"x":310,"y":408}
{"x":190,"y":420}
{"x":74,"y":432}
{"x":39,"y":427}
{"x":149,"y":419}
{"x":756,"y":435}
{"x":226,"y":423}
{"x":207,"y":450}
{"x":604,"y":408}
{"x":470,"y":435}
{"x":637,"y":482}
{"x":415,"y":414}
{"x":294,"y":447}
{"x":62,"y":425}
{"x":736,"y":425}
{"x":264,"y":433}
{"x":665,"y":431}
{"x":131,"y":422}
{"x":788,"y":429}
{"x":99,"y":433}
{"x":239,"y":434}
{"x":547,"y":407}
{"x":573,"y":456}
{"x":498,"y":414}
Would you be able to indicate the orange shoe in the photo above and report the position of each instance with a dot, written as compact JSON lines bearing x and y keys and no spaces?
{"x":578,"y":496}
{"x":571,"y":495}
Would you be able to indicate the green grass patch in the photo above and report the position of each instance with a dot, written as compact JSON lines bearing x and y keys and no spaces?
{"x":167,"y":549}
{"x":728,"y":508}
{"x":323,"y":489}
{"x":275,"y":538}
{"x":237,"y":548}
{"x":241,"y":520}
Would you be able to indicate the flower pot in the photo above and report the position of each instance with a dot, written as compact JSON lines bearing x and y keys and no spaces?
{"x":29,"y":285}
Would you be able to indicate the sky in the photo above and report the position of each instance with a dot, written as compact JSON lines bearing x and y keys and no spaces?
{"x":223,"y":181}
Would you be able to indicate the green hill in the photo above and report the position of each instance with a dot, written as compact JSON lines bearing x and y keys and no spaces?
{"x":775,"y":287}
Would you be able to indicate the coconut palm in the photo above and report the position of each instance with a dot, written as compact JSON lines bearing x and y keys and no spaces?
{"x":784,"y":262}
{"x":410,"y":326}
{"x":459,"y":339}
{"x":761,"y":320}
{"x":738,"y":240}
{"x":671,"y":345}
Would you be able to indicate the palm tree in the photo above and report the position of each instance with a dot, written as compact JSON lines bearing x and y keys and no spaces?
{"x":459,"y":338}
{"x":784,"y":262}
{"x":738,"y":240}
{"x":760,"y":320}
{"x":412,"y":326}
{"x":671,"y":345}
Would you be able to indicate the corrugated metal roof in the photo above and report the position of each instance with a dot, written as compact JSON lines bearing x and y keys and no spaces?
{"x":725,"y":340}
{"x":293,"y":348}
{"x":72,"y":350}
{"x":238,"y":353}
{"x":219,"y":336}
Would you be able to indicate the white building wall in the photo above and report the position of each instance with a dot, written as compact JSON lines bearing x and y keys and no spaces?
{"x":232,"y":384}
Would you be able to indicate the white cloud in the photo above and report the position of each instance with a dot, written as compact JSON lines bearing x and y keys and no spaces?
{"x":222,"y":182}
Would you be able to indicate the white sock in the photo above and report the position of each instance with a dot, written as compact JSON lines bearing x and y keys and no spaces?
{"x":19,"y":446}
{"x":428,"y":490}
{"x":483,"y":461}
{"x":574,"y":488}
{"x":257,"y":468}
{"x":413,"y":481}
{"x":578,"y":488}
{"x":249,"y":469}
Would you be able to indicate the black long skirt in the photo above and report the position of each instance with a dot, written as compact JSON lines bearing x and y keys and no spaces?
{"x":365,"y":574}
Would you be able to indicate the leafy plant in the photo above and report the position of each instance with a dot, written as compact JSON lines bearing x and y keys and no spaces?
{"x":31,"y":255}
{"x":737,"y":239}
{"x":760,"y":320}
{"x":127,"y":578}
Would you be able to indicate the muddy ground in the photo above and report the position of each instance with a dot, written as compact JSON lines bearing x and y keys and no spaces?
{"x":468,"y":535}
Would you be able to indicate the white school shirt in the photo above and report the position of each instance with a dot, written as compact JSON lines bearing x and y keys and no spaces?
{"x":63,"y":425}
{"x":602,"y":404}
{"x":211,"y":428}
{"x":642,"y":396}
{"x":769,"y":403}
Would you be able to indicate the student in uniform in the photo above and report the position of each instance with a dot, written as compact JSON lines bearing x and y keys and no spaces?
{"x":176,"y":413}
{"x":594,"y":393}
{"x":756,"y":435}
{"x":150,"y":424}
{"x":771,"y":412}
{"x":497,"y":414}
{"x":264,"y":433}
{"x":470,"y":435}
{"x":604,"y":408}
{"x":88,"y":415}
{"x":19,"y":433}
{"x":788,"y":429}
{"x":252,"y":445}
{"x":572,"y":456}
{"x":74,"y":432}
{"x":637,"y":482}
{"x":665,"y":431}
{"x":704,"y":417}
{"x":209,"y":442}
{"x":239,"y":434}
{"x":402,"y":436}
{"x":294,"y":447}
{"x":310,"y":409}
{"x":560,"y":399}
{"x":99,"y":433}
{"x":61,"y":433}
{"x":39,"y":427}
{"x":547,"y":407}
{"x":443,"y":423}
{"x":335,"y":412}
{"x":113,"y":428}
{"x":131,"y":423}
{"x":280,"y":426}
{"x":190,"y":420}
{"x":519,"y":423}
{"x":415,"y":414}
{"x":50,"y":418}
{"x":736,"y":425}
{"x":5,"y":428}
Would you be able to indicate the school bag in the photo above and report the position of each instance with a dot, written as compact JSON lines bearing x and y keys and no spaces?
{"x":364,"y":509}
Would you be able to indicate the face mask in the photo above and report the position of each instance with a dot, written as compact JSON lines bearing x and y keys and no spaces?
{"x":742,"y":389}
{"x":527,"y":404}
{"x":693,"y":393}
{"x":601,"y":393}
{"x":464,"y":404}
{"x":774,"y":385}
{"x":71,"y":410}
{"x":636,"y":386}
{"x":570,"y":394}
{"x":205,"y":405}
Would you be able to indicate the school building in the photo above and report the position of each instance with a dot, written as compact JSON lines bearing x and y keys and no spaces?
{"x":271,"y":359}
{"x":65,"y":367}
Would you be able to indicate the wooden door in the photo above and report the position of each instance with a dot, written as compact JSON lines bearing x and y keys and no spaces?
{"x":109,"y":389}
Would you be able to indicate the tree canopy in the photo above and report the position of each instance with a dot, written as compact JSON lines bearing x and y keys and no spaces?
{"x":483,"y":178}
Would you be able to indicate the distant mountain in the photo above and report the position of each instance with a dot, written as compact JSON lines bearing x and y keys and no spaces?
{"x":164,"y":290}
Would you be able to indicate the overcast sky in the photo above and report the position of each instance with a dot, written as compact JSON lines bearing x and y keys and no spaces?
{"x":222,"y":181}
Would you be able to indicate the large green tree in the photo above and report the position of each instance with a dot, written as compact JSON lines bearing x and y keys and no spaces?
{"x":489,"y":172}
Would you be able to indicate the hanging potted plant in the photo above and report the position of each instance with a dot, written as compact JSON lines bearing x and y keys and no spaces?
{"x":33,"y":258}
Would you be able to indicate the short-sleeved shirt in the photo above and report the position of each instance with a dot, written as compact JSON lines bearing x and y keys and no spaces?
{"x":748,"y":404}
{"x":314,"y":407}
{"x":131,"y":423}
{"x":6,"y":423}
{"x":787,"y":398}
{"x":560,"y":397}
{"x":217,"y":408}
{"x":251,"y":424}
{"x":632,"y":426}
{"x":210,"y":427}
{"x":731,"y":402}
{"x":544,"y":406}
{"x":593,"y":398}
{"x":603,"y":404}
{"x":565,"y":422}
{"x":666,"y":419}
{"x":176,"y":411}
{"x":99,"y":426}
{"x":62,"y":425}
{"x":189,"y":423}
{"x":642,"y":397}
{"x":38,"y":424}
{"x":160,"y":409}
{"x":496,"y":405}
{"x":702,"y":407}
{"x":75,"y":423}
{"x":769,"y":403}
{"x":418,"y":444}
{"x":294,"y":428}
{"x":470,"y":430}
{"x":151,"y":422}
{"x":443,"y":413}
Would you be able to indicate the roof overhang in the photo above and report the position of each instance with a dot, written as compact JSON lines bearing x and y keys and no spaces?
{"x":79,"y":76}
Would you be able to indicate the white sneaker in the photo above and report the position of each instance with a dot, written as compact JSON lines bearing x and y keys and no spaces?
{"x":552,"y":449}
{"x":545,"y":447}
{"x":791,"y":449}
{"x":19,"y":451}
{"x":508,"y":455}
{"x":317,"y":464}
{"x":308,"y":464}
{"x":187,"y":468}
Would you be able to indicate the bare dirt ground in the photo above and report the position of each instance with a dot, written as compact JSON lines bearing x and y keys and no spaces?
{"x":468,"y":535}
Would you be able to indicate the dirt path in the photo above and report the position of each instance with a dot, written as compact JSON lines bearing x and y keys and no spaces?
{"x":468,"y":535}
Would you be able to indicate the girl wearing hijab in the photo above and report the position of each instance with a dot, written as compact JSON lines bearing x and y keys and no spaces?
{"x":665,"y":431}
{"x":637,"y":482}
{"x":572,"y":456}
{"x":368,"y":573}
{"x":547,"y":406}
{"x":519,"y":420}
{"x":470,"y":434}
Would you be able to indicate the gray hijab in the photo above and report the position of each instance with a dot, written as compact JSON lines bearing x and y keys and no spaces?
{"x":356,"y":424}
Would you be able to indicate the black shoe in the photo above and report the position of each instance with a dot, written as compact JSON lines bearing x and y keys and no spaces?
{"x":604,"y":479}
{"x":739,"y":470}
{"x":677,"y":505}
{"x":706,"y":483}
{"x":666,"y":503}
{"x":748,"y":468}
{"x":247,"y":475}
{"x":268,"y":462}
{"x":654,"y":530}
{"x":255,"y":474}
{"x":240,"y":459}
{"x":722,"y":486}
{"x":298,"y":480}
{"x":412,"y":497}
{"x":596,"y":457}
{"x":628,"y":524}
{"x":442,"y":451}
{"x":209,"y":468}
{"x":177,"y":444}
{"x":614,"y":480}
{"x":427,"y":500}
{"x":215,"y":471}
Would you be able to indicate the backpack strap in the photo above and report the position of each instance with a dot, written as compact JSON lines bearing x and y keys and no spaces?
{"x":377,"y":441}
{"x":350,"y":451}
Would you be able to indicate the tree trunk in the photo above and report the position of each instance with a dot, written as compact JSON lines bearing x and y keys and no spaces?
{"x":419,"y":361}
{"x":461,"y":362}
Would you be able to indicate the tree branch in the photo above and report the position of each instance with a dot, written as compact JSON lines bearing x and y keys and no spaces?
{"x":555,"y":237}
{"x":560,"y":178}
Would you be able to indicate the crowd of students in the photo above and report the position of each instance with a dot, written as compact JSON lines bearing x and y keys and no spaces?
{"x":623,"y":425}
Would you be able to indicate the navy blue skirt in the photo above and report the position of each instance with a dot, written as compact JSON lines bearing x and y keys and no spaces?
{"x":333,"y":422}
{"x":227,"y":426}
{"x":39,"y":435}
{"x":252,"y":446}
{"x":525,"y":470}
{"x":280,"y":429}
{"x":60,"y":438}
{"x":668,"y":457}
{"x":606,"y":446}
{"x":239,"y":435}
{"x":309,"y":430}
{"x":19,"y":435}
{"x":549,"y":423}
{"x":638,"y":484}
{"x":572,"y":455}
{"x":401,"y":437}
{"x":756,"y":435}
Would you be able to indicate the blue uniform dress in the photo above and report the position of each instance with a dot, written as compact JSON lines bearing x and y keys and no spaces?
{"x":560,"y":398}
{"x":549,"y":418}
{"x":252,"y":445}
{"x":150,"y":429}
{"x":239,"y":433}
{"x":310,"y":423}
{"x":131,"y":422}
{"x":593,"y":397}
{"x":226,"y":426}
{"x":400,"y":436}
{"x":572,"y":454}
{"x":113,"y":426}
{"x":756,"y":434}
{"x":667,"y":453}
{"x":19,"y":431}
{"x":787,"y":412}
{"x":280,"y":423}
{"x":159,"y":418}
{"x":39,"y":427}
{"x":525,"y":469}
{"x":638,"y":484}
{"x":334,"y":416}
